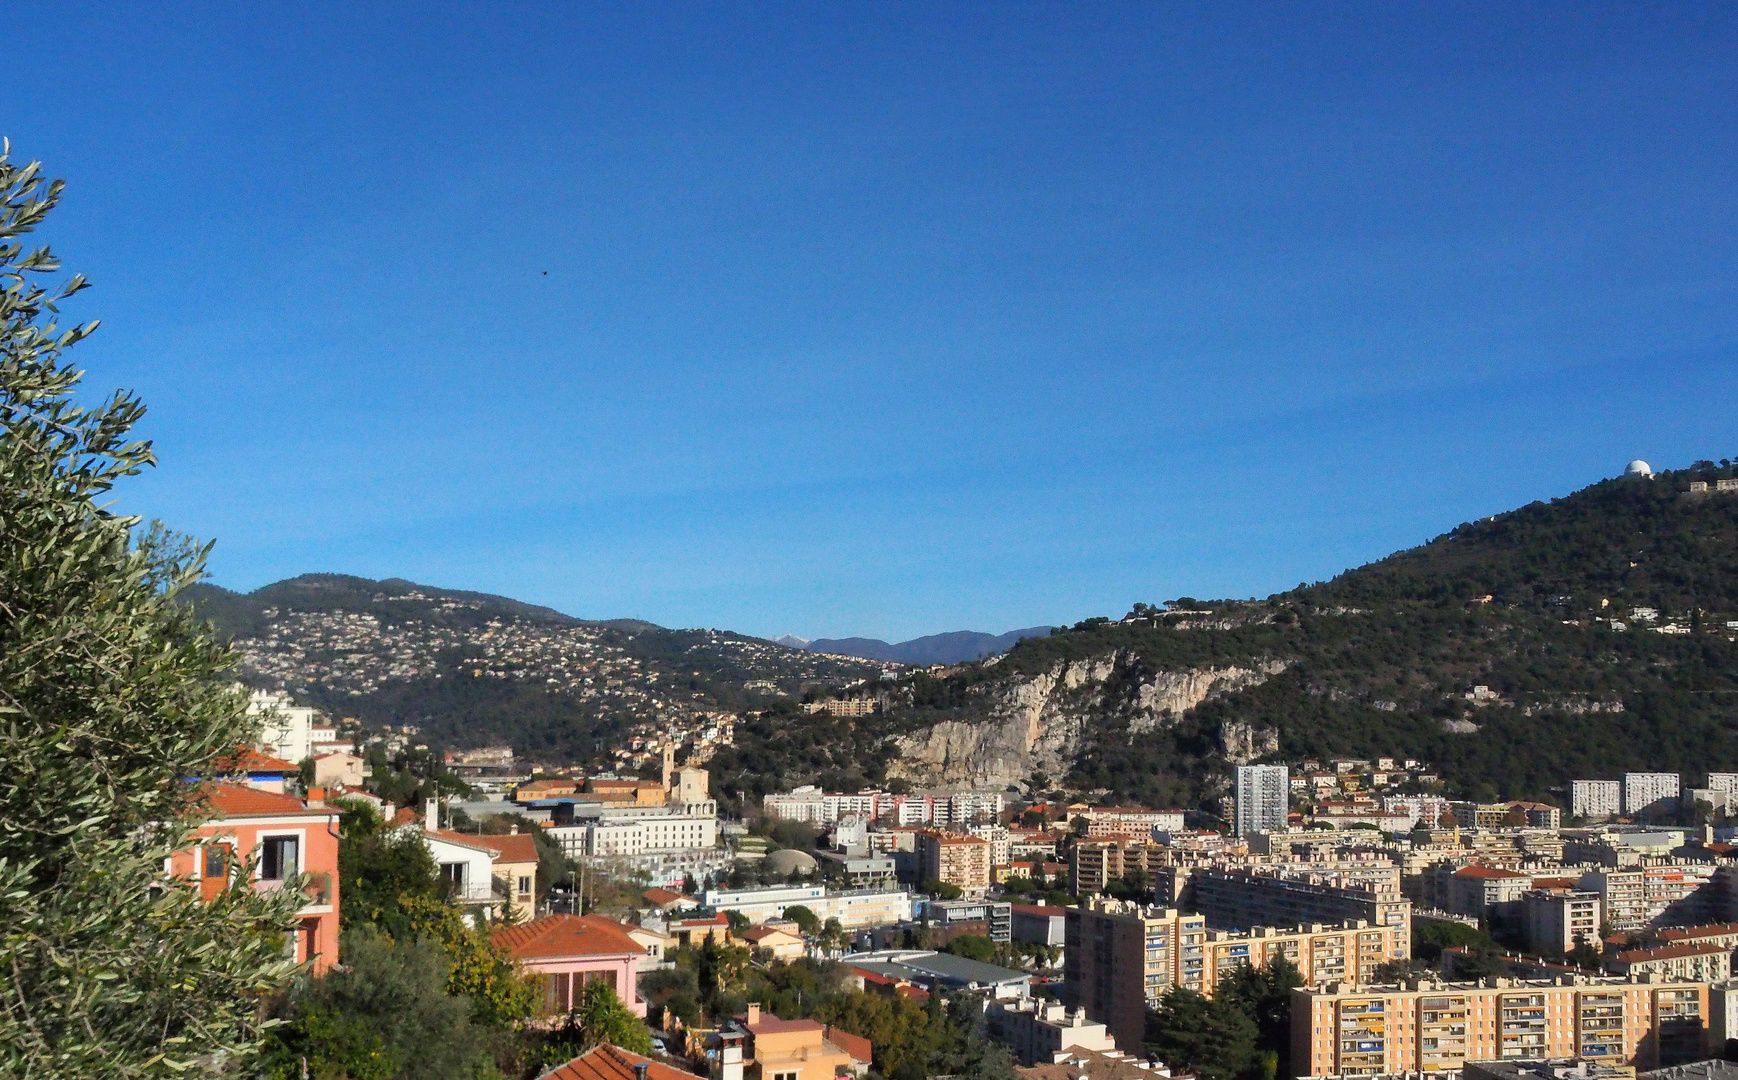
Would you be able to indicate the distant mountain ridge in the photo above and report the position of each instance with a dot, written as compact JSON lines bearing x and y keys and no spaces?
{"x":953,"y":648}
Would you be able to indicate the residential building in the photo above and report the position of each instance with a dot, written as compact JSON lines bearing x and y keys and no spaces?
{"x":1650,"y":792}
{"x":921,"y":967}
{"x":1622,"y":897}
{"x":854,"y":908}
{"x":286,"y":729}
{"x":1349,"y":1030}
{"x":1036,"y":1031}
{"x":1596,"y":800}
{"x":572,"y":951}
{"x":1133,"y":820}
{"x":1001,"y":845}
{"x":955,"y":859}
{"x":1557,"y":921}
{"x":695,"y":930}
{"x":1234,"y":898}
{"x":341,"y":767}
{"x":774,"y":1049}
{"x":778,"y":942}
{"x":1687,"y":961}
{"x":1038,"y":924}
{"x":609,"y":1062}
{"x":1487,"y":890}
{"x":1093,"y":864}
{"x":1083,"y":1064}
{"x":1546,"y":1069}
{"x":290,"y":837}
{"x":629,"y":837}
{"x":1263,"y":798}
{"x":1724,"y":781}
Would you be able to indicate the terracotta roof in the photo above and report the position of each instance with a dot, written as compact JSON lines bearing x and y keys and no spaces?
{"x":692,"y":924}
{"x":1041,"y":909}
{"x":405,"y":815}
{"x":761,"y":933}
{"x":1486,"y":872}
{"x":857,"y":1046}
{"x":607,"y":1062}
{"x":337,"y":753}
{"x":1669,"y":952}
{"x":1083,"y":1064}
{"x":239,"y":800}
{"x":915,"y":993}
{"x":772,"y":1025}
{"x":250,"y":760}
{"x":874,"y":977}
{"x":1690,"y":933}
{"x":566,"y":935}
{"x":470,"y":840}
{"x":662,"y":897}
{"x":514,"y":847}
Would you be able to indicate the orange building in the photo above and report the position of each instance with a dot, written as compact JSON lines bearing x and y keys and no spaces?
{"x":572,"y":951}
{"x":289,"y":836}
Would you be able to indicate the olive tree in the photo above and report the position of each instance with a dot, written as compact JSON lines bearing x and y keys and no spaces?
{"x":114,"y":708}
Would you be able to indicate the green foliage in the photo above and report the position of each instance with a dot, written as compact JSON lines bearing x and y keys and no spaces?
{"x":482,"y":973}
{"x":597,"y":1017}
{"x":385,"y":1015}
{"x":1211,"y":1038}
{"x":941,"y":890}
{"x":807,"y":921}
{"x":1430,"y":938}
{"x":972,"y":947}
{"x":112,"y":698}
{"x":379,"y":869}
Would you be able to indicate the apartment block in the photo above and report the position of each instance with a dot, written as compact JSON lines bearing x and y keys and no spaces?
{"x":1426,"y":1027}
{"x":1622,"y":896}
{"x":1263,"y":798}
{"x":1595,"y":799}
{"x":1643,"y":792}
{"x":955,"y":859}
{"x":1121,"y":958}
{"x":1238,"y":898}
{"x":1036,"y":1031}
{"x":1092,"y":864}
{"x":1558,"y":920}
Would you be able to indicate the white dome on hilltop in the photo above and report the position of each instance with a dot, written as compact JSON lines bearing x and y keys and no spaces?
{"x":1638,"y":467}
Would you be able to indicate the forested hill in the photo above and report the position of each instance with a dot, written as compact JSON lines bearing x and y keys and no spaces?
{"x":1542,"y":606}
{"x":474,"y":669}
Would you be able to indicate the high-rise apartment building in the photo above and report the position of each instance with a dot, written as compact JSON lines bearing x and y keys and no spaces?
{"x":1595,"y":799}
{"x":1426,"y":1027}
{"x":1238,"y":898}
{"x":1644,"y":791}
{"x":1121,"y":958}
{"x":1263,"y":798}
{"x":955,"y":859}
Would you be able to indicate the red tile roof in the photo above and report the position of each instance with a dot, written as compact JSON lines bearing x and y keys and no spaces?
{"x":697,"y":923}
{"x":1690,"y":933}
{"x":470,"y":840}
{"x":1670,"y":952}
{"x":607,"y":1062}
{"x":239,"y":800}
{"x":557,"y":936}
{"x":1041,"y":909}
{"x":249,"y":760}
{"x":857,"y":1046}
{"x":665,"y":897}
{"x":761,"y":933}
{"x":772,"y":1025}
{"x":514,"y":847}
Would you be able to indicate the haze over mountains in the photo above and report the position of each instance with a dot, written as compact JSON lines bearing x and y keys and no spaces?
{"x":953,"y":648}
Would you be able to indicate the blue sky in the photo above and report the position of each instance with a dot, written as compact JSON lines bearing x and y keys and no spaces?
{"x":888,"y":319}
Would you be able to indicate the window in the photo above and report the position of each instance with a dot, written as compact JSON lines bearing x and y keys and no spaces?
{"x":453,"y":875}
{"x":280,"y":857}
{"x":784,"y":1076}
{"x":524,"y":883}
{"x":217,"y":860}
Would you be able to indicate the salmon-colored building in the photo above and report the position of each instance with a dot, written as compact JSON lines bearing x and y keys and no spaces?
{"x":289,"y":836}
{"x":572,"y":951}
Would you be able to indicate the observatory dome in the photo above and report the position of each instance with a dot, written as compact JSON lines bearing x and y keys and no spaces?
{"x":787,"y":861}
{"x":1638,"y":467}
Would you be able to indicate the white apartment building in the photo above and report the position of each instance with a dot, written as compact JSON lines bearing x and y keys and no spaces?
{"x":287,"y":730}
{"x":1001,"y":844}
{"x":959,"y":808}
{"x":1596,"y":798}
{"x":1723,"y":781}
{"x":854,"y":909}
{"x":1422,"y":811}
{"x":1263,"y":798}
{"x":1649,"y":790}
{"x":630,"y":837}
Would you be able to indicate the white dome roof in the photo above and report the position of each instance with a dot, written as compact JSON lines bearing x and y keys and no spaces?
{"x":1638,"y":467}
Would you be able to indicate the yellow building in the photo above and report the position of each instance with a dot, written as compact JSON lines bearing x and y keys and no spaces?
{"x":1121,"y":958}
{"x":955,"y":859}
{"x":1423,"y":1027}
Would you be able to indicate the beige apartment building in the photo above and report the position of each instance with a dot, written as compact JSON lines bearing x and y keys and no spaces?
{"x":1689,"y":961}
{"x":1427,"y":1027}
{"x":955,"y":859}
{"x":1121,"y":958}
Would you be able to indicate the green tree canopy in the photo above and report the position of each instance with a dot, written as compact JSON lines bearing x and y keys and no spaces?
{"x":113,"y":701}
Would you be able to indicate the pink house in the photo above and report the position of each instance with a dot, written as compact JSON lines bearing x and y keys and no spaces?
{"x":572,"y":951}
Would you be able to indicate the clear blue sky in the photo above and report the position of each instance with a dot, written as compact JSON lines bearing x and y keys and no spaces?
{"x":888,"y":319}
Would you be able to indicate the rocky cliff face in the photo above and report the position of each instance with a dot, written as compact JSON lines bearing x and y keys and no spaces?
{"x":1039,"y":723}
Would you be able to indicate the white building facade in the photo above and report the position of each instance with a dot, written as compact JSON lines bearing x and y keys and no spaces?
{"x":1263,"y":798}
{"x":1595,"y":798}
{"x":1650,"y":791}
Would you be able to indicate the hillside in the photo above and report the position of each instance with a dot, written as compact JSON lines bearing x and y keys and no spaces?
{"x":474,"y":669}
{"x":1383,"y":659}
{"x":951,"y":648}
